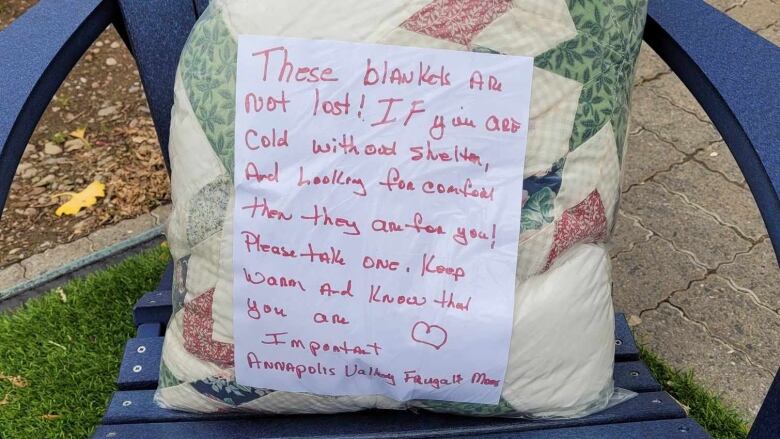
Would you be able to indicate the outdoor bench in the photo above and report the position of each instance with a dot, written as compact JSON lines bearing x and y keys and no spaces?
{"x":731,"y":71}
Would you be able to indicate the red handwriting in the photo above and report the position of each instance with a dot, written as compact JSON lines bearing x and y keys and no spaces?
{"x":253,"y":243}
{"x":347,"y":146}
{"x":334,"y":221}
{"x":459,"y":154}
{"x":287,"y":71}
{"x":504,"y":125}
{"x":380,"y":264}
{"x":283,"y":366}
{"x":449,"y":302}
{"x":334,"y":318}
{"x":371,"y":371}
{"x":462,"y":235}
{"x":419,"y":226}
{"x":255,"y":104}
{"x":252,"y":173}
{"x":483,"y":379}
{"x":432,"y":335}
{"x":436,"y":383}
{"x":255,"y":312}
{"x":385,"y":119}
{"x":389,"y":102}
{"x":335,"y":178}
{"x":477,"y":81}
{"x":467,"y":190}
{"x":436,"y":131}
{"x":266,"y":211}
{"x":394,"y":180}
{"x":414,"y":110}
{"x":427,"y":267}
{"x":380,"y":225}
{"x":327,"y":290}
{"x":316,"y":347}
{"x":329,"y":257}
{"x":375,"y":297}
{"x":459,"y":121}
{"x":425,"y":74}
{"x":254,"y":141}
{"x":333,"y":107}
{"x":273,"y":281}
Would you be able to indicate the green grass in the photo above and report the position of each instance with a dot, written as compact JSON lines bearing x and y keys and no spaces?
{"x":721,"y":421}
{"x":60,"y":353}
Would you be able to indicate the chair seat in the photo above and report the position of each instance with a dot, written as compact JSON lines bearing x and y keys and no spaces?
{"x":132,"y":412}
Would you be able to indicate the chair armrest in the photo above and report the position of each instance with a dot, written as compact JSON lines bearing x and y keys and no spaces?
{"x":733,"y":73}
{"x":36,"y":53}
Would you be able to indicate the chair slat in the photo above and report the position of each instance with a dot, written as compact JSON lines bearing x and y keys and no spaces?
{"x":625,"y":346}
{"x":635,"y":376}
{"x":140,"y":368}
{"x":166,"y":281}
{"x":153,"y":307}
{"x":149,"y":330}
{"x":157,"y":31}
{"x":407,"y":425}
{"x":137,"y":406}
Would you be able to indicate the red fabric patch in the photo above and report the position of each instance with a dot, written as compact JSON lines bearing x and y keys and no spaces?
{"x":198,"y":327}
{"x":456,"y":20}
{"x":585,"y":222}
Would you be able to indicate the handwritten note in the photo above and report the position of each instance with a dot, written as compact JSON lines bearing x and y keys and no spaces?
{"x":377,"y":213}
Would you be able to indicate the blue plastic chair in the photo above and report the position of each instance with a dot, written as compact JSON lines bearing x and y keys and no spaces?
{"x":731,"y":71}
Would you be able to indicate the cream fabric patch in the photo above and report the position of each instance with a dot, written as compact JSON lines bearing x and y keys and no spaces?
{"x":370,"y":21}
{"x":593,"y":165}
{"x":536,"y":26}
{"x":554,"y":330}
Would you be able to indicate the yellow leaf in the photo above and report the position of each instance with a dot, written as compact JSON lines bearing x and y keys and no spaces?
{"x":50,"y":417}
{"x":86,"y":198}
{"x":80,"y":133}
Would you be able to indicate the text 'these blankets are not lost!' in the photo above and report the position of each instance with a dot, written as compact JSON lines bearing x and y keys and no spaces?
{"x":376,"y":219}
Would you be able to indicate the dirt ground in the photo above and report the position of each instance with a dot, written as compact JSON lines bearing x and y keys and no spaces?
{"x":103,"y":95}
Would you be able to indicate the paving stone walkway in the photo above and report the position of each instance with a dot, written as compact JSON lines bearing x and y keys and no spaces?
{"x":693,"y":267}
{"x":41,"y":264}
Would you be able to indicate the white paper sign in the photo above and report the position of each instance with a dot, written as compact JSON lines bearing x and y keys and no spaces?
{"x":377,"y":214}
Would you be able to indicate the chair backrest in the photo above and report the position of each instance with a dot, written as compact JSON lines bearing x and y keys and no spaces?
{"x":156,"y":32}
{"x":200,"y":5}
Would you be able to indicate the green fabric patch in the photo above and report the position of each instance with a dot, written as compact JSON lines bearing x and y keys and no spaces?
{"x":208,"y":69}
{"x":167,"y":378}
{"x":602,"y":58}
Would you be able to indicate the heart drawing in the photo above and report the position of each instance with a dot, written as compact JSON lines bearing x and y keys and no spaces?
{"x":431,"y":335}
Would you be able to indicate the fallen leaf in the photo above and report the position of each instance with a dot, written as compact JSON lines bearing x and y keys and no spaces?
{"x":86,"y":198}
{"x":80,"y":133}
{"x":63,"y":296}
{"x":4,"y":401}
{"x":50,"y":417}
